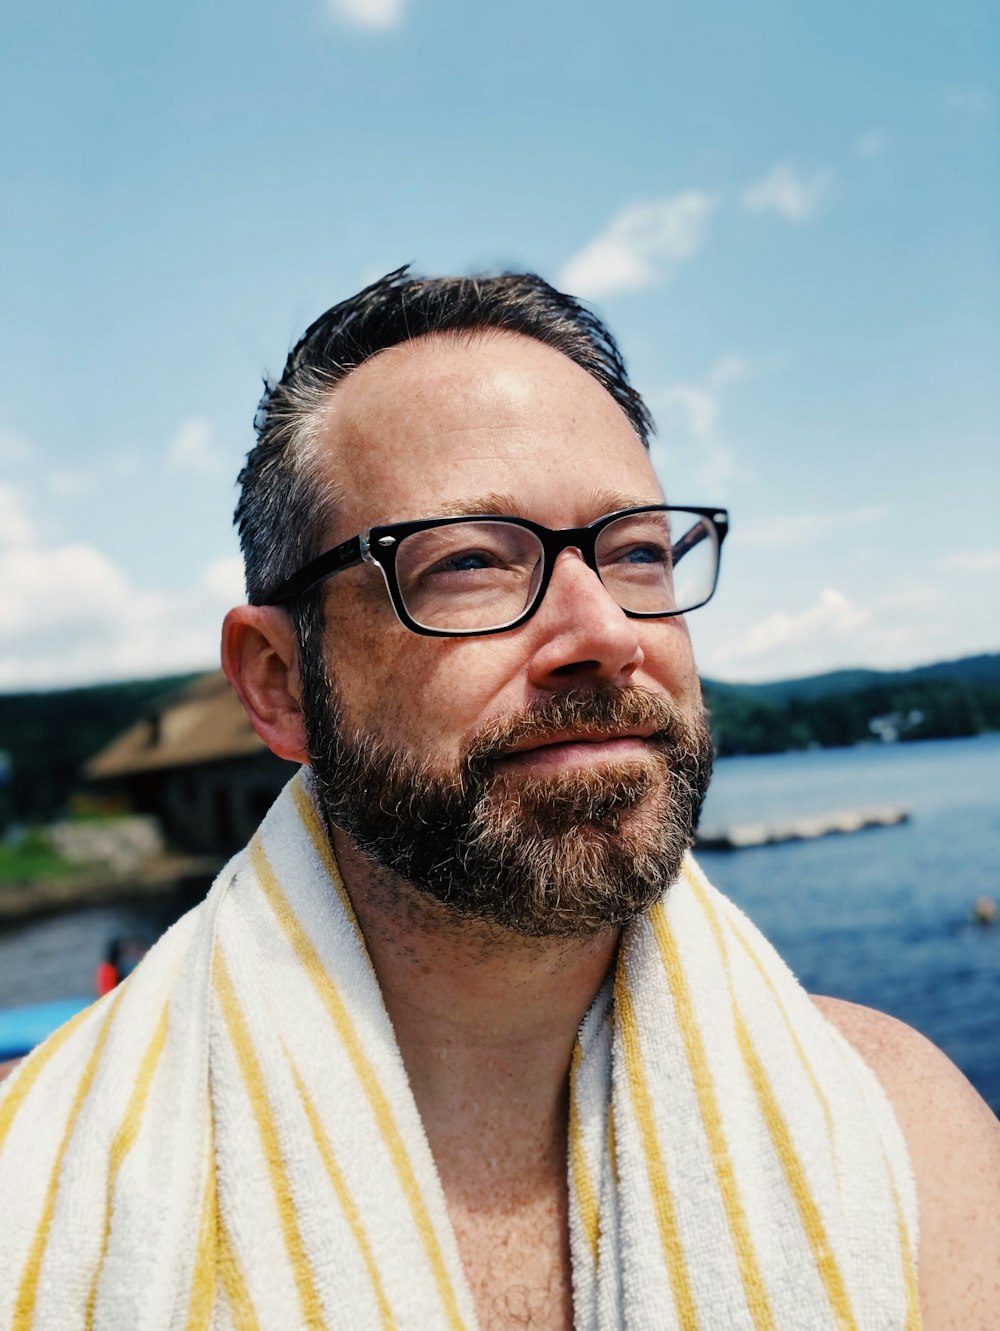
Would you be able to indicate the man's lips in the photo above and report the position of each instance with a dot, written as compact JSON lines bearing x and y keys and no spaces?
{"x":573,"y":747}
{"x":582,"y":737}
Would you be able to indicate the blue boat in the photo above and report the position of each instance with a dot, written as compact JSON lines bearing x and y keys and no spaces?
{"x":21,"y":1028}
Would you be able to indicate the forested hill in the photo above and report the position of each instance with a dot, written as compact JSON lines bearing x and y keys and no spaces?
{"x":46,"y":737}
{"x":983,"y":669}
{"x":940,"y":701}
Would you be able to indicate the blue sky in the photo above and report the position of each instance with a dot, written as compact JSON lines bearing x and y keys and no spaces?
{"x":789,"y":213}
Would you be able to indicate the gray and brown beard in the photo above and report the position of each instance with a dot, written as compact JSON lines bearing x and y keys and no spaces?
{"x":564,"y":855}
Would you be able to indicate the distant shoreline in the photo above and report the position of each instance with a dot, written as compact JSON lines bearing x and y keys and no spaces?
{"x":46,"y":737}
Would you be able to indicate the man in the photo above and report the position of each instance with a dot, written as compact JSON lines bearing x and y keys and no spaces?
{"x":353,"y":1082}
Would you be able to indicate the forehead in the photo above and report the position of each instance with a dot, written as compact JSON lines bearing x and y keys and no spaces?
{"x":426,"y":425}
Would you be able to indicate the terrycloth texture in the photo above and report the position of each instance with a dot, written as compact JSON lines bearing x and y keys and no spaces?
{"x":229,"y":1140}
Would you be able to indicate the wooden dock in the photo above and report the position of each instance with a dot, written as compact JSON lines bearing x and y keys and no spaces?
{"x":742,"y":836}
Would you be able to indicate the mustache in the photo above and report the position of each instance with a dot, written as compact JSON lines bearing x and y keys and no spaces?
{"x":612,"y":710}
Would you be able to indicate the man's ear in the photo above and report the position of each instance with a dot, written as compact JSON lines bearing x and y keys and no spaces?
{"x":260,"y":658}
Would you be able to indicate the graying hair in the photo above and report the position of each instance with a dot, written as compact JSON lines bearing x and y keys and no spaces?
{"x":284,"y":507}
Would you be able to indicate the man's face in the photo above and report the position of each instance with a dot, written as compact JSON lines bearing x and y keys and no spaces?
{"x":546,"y":778}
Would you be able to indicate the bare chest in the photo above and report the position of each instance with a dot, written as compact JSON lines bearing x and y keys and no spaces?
{"x":517,"y":1262}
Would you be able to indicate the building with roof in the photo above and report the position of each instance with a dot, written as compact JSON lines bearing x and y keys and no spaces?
{"x":194,"y":761}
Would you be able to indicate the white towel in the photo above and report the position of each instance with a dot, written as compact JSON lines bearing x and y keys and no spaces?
{"x":229,"y":1140}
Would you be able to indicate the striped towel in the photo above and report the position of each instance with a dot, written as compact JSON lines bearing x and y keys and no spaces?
{"x":229,"y":1140}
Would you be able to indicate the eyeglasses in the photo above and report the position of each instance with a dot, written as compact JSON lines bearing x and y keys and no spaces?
{"x":465,"y":576}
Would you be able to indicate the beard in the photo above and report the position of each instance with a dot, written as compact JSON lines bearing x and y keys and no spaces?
{"x":544,"y":856}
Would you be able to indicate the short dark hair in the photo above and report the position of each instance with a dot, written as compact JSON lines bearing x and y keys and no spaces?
{"x":283,"y":508}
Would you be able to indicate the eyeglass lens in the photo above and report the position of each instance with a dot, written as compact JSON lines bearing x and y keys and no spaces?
{"x":480,"y":574}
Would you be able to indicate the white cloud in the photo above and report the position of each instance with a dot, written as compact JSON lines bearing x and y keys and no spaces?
{"x":972,"y":561}
{"x":728,"y":370}
{"x":788,"y":530}
{"x":16,"y":527}
{"x":376,"y":14}
{"x":641,"y":245}
{"x":72,"y":585}
{"x":785,"y":643}
{"x":904,"y":626}
{"x":692,"y":410}
{"x":692,"y":467}
{"x":687,"y":409}
{"x":871,"y":144}
{"x":832,"y":615}
{"x":786,"y":192}
{"x":718,"y":472}
{"x":223,"y":578}
{"x":69,"y":614}
{"x":689,"y":416}
{"x":68,"y":484}
{"x":192,"y":448}
{"x":15,"y":447}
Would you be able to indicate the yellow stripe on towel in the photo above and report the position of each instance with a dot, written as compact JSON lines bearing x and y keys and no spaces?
{"x":704,"y":1084}
{"x":781,"y":1137}
{"x":339,"y":1016}
{"x":27,"y":1293}
{"x":346,"y":1200}
{"x":913,"y":1319}
{"x":203,"y":1280}
{"x":321,"y":844}
{"x":798,"y":1183}
{"x":234,"y":1282}
{"x":586,"y":1198}
{"x":659,"y":1186}
{"x":253,"y":1079}
{"x":124,"y":1140}
{"x":761,"y":970}
{"x":217,"y":1258}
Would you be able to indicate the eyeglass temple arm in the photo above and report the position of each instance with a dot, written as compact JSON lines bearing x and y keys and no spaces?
{"x":331,"y":561}
{"x":694,"y":536}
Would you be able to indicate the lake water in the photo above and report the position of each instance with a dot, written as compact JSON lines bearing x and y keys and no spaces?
{"x":881,"y":917}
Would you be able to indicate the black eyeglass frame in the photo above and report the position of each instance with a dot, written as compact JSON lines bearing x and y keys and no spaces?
{"x":379,"y":546}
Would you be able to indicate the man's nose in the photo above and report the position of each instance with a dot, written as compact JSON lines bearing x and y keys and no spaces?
{"x":582,"y":633}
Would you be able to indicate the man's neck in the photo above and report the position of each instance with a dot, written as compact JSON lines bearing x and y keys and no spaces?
{"x":485,"y":1020}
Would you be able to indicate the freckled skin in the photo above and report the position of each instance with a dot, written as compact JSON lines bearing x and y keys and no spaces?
{"x":438,"y":421}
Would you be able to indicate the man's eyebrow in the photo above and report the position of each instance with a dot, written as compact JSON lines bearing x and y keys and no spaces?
{"x":610,"y":501}
{"x":496,"y":504}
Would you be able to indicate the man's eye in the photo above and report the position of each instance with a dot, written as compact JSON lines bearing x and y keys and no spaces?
{"x":642,"y":554}
{"x":465,"y":561}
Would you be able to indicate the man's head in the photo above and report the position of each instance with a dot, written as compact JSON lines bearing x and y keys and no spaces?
{"x":546,"y":777}
{"x":284,"y":501}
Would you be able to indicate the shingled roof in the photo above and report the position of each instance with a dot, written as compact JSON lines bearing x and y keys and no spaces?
{"x":201,"y":723}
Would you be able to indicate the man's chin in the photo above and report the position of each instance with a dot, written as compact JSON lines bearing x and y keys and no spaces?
{"x":598,"y":799}
{"x":568,"y":856}
{"x":563,"y":853}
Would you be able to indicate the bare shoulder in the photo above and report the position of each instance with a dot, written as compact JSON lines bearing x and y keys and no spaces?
{"x":954,"y":1143}
{"x":7,"y":1068}
{"x":912,"y":1070}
